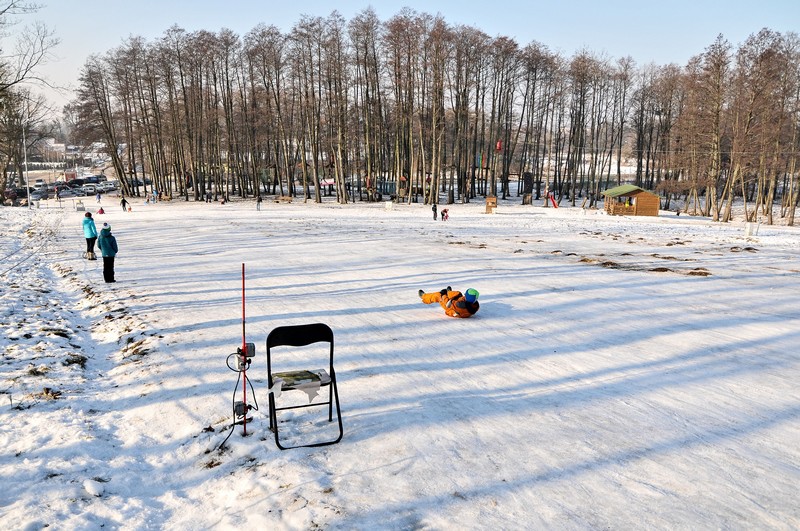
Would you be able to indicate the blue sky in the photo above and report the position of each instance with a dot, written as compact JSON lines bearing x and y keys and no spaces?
{"x":659,"y":32}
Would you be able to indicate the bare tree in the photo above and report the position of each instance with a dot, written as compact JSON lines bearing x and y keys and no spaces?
{"x":21,"y":111}
{"x":369,"y":100}
{"x":97,"y":118}
{"x":19,"y":62}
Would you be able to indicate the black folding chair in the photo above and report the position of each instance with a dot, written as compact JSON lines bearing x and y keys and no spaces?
{"x":303,"y":379}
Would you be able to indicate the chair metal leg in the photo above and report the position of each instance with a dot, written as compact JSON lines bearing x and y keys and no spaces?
{"x":334,"y":396}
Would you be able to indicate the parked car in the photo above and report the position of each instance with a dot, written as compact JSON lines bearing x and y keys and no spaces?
{"x":40,"y":194}
{"x":65,"y":192}
{"x":107,"y":186}
{"x":62,"y":185}
{"x":89,"y":189}
{"x":77,"y":190}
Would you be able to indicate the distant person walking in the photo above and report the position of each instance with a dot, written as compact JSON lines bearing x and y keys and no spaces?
{"x":433,"y":208}
{"x":108,"y":248}
{"x":258,"y":203}
{"x":90,"y":233}
{"x":98,"y":198}
{"x":124,"y":203}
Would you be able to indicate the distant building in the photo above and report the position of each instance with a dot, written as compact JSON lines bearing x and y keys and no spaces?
{"x":51,"y":151}
{"x":630,"y":200}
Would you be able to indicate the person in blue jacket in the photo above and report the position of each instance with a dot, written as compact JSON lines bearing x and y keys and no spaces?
{"x":108,"y":248}
{"x":90,"y":233}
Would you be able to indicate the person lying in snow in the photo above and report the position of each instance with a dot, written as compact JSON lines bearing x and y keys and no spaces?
{"x":455,"y":303}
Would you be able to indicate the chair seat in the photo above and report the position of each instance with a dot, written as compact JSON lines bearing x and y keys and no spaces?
{"x":299,"y":379}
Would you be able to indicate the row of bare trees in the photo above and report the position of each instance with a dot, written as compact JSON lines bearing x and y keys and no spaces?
{"x":724,"y":128}
{"x":422,"y":110}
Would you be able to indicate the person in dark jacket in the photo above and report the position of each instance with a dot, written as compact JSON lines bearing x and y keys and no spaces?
{"x":90,"y":233}
{"x":108,"y":248}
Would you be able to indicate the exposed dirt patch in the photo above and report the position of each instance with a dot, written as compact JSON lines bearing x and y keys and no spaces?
{"x":134,"y":348}
{"x":56,"y":332}
{"x":668,"y":257}
{"x":48,"y":394}
{"x":75,"y":359}
{"x":611,"y":264}
{"x":41,"y":370}
{"x":737,"y":249}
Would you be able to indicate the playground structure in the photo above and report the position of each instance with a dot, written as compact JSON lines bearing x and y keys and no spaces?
{"x":630,"y":200}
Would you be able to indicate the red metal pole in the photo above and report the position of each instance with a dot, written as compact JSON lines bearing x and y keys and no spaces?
{"x":244,"y":364}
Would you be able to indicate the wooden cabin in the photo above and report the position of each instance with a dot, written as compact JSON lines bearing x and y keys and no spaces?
{"x":630,"y":200}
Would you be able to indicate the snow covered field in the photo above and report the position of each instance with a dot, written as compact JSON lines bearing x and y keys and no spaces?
{"x":622,"y":373}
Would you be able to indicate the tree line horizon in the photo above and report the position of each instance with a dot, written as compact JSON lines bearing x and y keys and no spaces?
{"x":425,"y":111}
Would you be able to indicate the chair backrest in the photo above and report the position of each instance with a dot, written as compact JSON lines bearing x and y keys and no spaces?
{"x":299,"y":335}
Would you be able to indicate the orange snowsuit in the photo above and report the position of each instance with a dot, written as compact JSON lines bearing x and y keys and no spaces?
{"x":453,"y":302}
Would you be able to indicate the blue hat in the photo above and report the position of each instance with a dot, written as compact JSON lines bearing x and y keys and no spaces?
{"x":471,"y":295}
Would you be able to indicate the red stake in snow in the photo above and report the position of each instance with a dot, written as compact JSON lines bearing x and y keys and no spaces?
{"x":243,"y":360}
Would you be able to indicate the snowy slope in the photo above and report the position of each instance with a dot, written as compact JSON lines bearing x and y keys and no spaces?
{"x":621,"y":373}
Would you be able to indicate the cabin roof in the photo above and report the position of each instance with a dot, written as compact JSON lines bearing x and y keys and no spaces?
{"x":623,"y":190}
